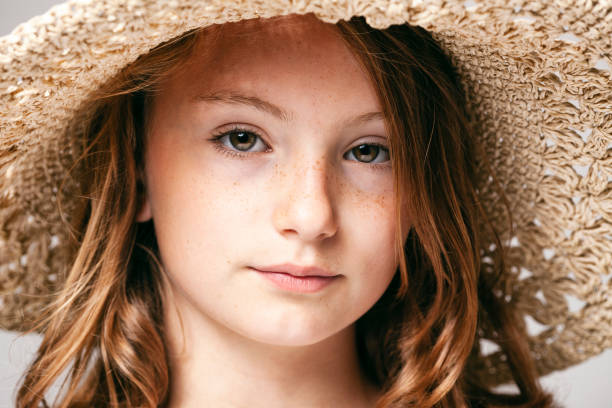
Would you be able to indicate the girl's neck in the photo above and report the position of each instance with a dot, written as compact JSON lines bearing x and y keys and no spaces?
{"x":212,"y":365}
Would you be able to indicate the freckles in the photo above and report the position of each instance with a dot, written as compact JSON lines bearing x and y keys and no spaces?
{"x":364,"y":203}
{"x":365,"y":200}
{"x":373,"y":206}
{"x":380,"y":201}
{"x":278,"y":172}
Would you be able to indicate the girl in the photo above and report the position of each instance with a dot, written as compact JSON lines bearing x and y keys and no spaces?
{"x":280,"y":212}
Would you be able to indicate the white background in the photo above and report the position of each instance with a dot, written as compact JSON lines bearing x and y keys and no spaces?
{"x":586,"y":385}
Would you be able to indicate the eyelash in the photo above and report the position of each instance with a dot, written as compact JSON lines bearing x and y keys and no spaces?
{"x":220,"y":147}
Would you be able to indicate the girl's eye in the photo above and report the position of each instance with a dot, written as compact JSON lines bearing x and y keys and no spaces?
{"x":240,"y":142}
{"x":369,"y":153}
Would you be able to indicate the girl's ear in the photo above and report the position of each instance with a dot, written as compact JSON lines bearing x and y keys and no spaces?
{"x":144,"y":212}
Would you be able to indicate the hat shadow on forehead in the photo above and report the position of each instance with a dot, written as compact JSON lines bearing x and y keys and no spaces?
{"x":305,"y":31}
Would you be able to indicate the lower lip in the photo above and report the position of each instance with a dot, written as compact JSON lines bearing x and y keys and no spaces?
{"x":301,"y":284}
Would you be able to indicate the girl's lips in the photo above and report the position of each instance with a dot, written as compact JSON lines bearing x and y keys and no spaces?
{"x":300,"y":284}
{"x":296,"y":270}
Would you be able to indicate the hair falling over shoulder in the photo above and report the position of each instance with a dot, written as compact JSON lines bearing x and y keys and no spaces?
{"x":104,"y":336}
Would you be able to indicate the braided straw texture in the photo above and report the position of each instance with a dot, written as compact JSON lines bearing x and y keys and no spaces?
{"x":538,"y":83}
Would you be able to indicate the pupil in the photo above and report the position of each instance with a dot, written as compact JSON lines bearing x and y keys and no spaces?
{"x":241,"y":138}
{"x":367,"y":150}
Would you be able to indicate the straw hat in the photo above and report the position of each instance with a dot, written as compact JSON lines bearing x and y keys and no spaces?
{"x":538,"y":83}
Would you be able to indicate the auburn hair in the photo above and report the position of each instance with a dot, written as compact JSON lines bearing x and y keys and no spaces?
{"x":104,"y":332}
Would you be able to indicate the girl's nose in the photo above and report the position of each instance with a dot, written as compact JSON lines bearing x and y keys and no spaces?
{"x":305,"y":207}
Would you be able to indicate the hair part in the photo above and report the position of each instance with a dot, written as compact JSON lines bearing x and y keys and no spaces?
{"x":106,"y":326}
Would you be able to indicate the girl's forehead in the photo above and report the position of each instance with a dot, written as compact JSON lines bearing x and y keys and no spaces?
{"x":295,"y":38}
{"x":298,"y":53}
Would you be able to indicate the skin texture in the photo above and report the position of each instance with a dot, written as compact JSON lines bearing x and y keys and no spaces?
{"x":298,"y":195}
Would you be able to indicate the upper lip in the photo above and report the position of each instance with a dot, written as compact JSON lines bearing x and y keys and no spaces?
{"x":296,"y":270}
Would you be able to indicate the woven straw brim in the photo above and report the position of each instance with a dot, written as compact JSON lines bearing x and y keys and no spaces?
{"x":537,"y":80}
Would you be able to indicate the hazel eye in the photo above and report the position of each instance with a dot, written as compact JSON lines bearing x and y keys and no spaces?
{"x":242,"y":140}
{"x":370,"y":153}
{"x":239,"y":141}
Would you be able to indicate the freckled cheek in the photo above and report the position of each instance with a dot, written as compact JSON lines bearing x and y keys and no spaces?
{"x":212,"y":197}
{"x":192,"y":197}
{"x":372,"y":221}
{"x":370,"y":194}
{"x":369,"y":211}
{"x":370,"y":182}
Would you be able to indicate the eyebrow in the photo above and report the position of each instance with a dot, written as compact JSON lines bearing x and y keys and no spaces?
{"x":232,"y":97}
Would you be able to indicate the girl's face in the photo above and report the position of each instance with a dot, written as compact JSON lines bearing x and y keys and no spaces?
{"x":270,"y":148}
